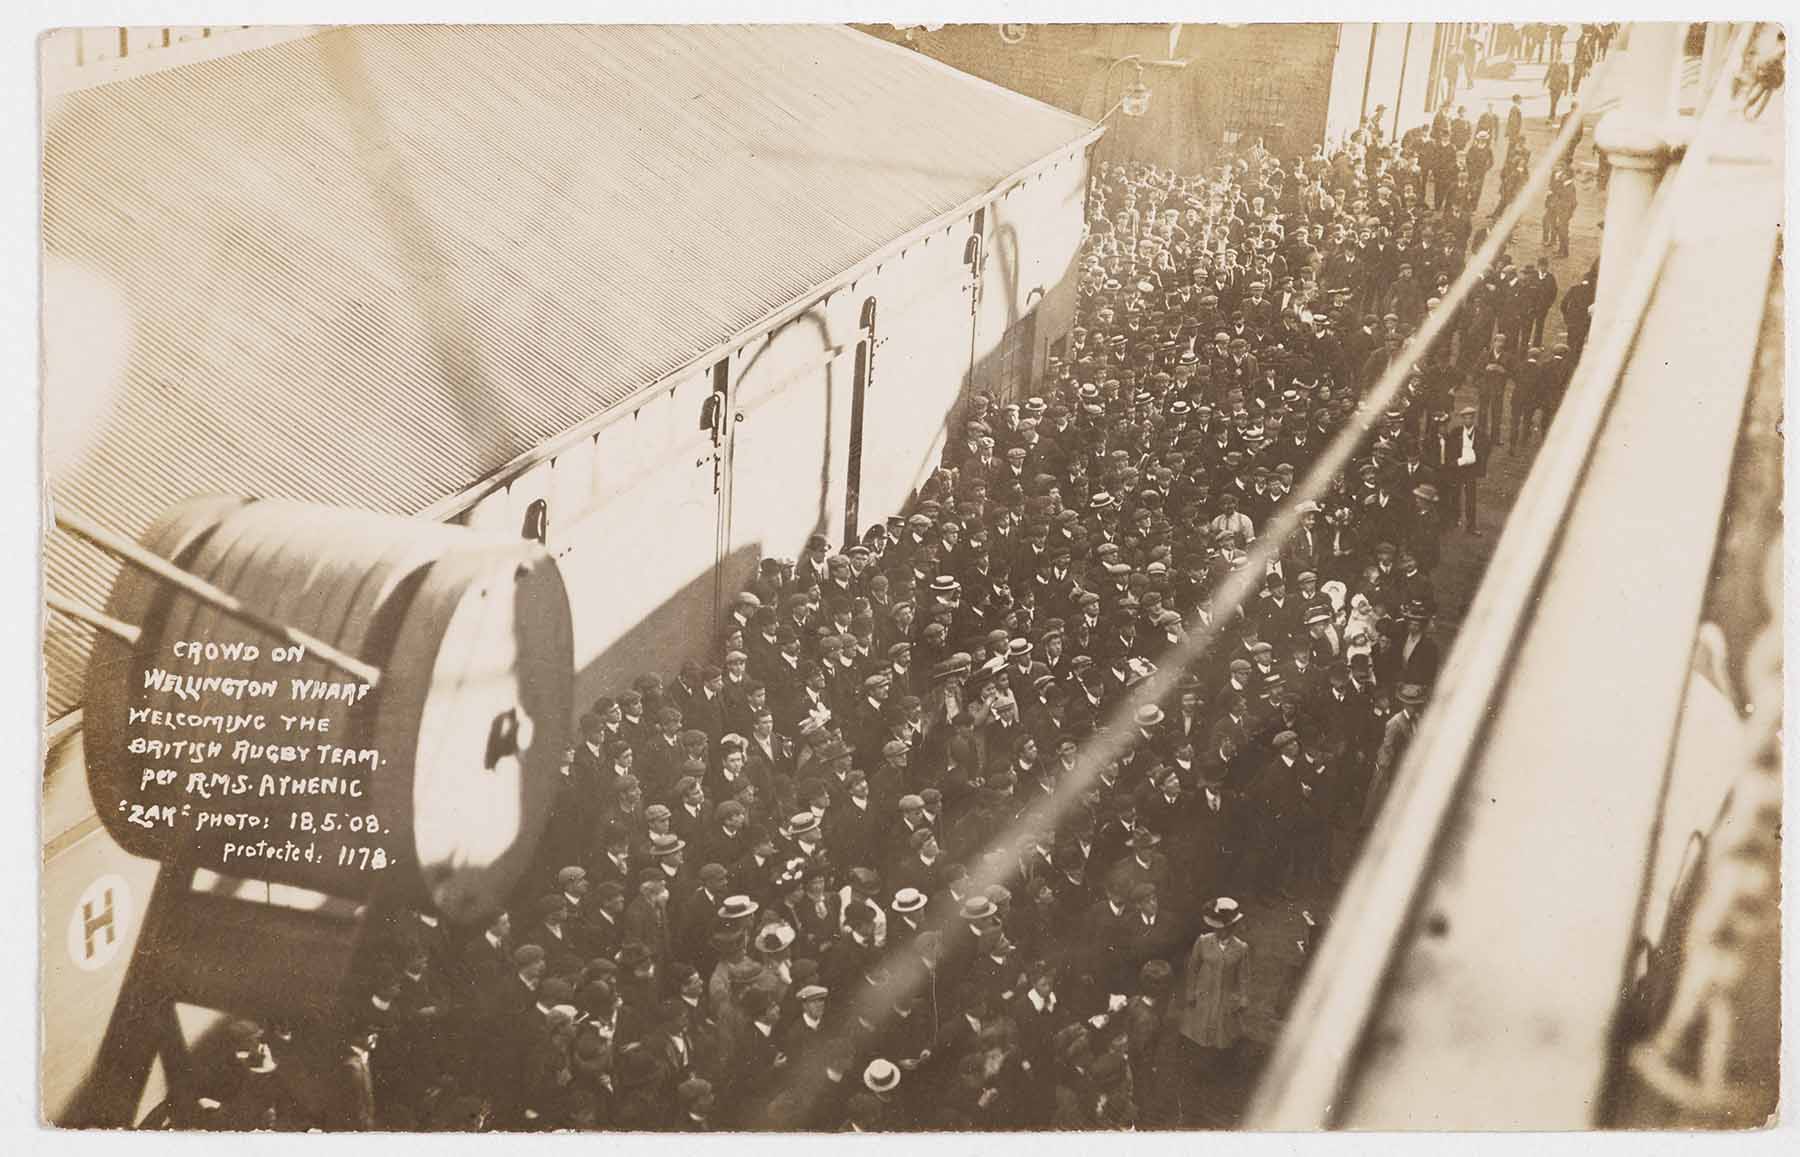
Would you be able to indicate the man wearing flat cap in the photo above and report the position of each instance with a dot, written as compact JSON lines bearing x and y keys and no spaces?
{"x":918,"y":861}
{"x":646,"y":919}
{"x":899,"y":665}
{"x":1154,"y":932}
{"x":1409,"y":703}
{"x":1466,"y":452}
{"x":695,"y":916}
{"x":660,"y":760}
{"x":1230,"y":523}
{"x":1273,"y":805}
{"x":1490,"y":393}
{"x":601,"y":931}
{"x":1422,"y":529}
{"x":555,"y":933}
{"x":892,"y":772}
{"x":511,"y":993}
{"x":807,"y":1030}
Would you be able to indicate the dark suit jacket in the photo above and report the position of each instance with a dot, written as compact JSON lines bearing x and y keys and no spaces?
{"x":352,"y":1105}
{"x":1333,"y":564}
{"x":909,"y":871}
{"x":1438,"y":450}
{"x":1386,"y":524}
{"x":1341,"y":725}
{"x":690,"y":827}
{"x":854,"y":835}
{"x":657,"y":767}
{"x":1036,"y":1026}
{"x":478,"y":967}
{"x":561,"y":952}
{"x":694,"y":920}
{"x":841,"y":969}
{"x":1393,"y":668}
{"x":600,"y":935}
{"x":1280,"y":624}
{"x":1212,"y":838}
{"x":1153,"y":941}
{"x":648,"y":928}
{"x":710,"y":845}
{"x":762,"y":767}
{"x":1107,"y":939}
{"x":801,"y":1043}
{"x":1194,"y":730}
{"x":1168,"y":820}
{"x":1303,"y":553}
{"x":1477,"y":469}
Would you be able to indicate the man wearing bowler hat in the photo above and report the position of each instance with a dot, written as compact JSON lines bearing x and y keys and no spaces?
{"x":1414,"y":656}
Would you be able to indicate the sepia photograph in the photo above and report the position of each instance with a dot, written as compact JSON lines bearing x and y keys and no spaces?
{"x":940,"y":578}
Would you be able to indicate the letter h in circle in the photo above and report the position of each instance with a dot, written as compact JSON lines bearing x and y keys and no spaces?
{"x":92,"y":923}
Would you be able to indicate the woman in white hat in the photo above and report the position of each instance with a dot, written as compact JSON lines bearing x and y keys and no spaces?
{"x":1339,"y":595}
{"x":1217,"y":992}
{"x":1361,"y":626}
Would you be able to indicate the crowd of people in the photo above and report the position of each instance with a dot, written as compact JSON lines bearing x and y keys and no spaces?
{"x":1509,"y":45}
{"x":766,"y":896}
{"x":1538,"y":42}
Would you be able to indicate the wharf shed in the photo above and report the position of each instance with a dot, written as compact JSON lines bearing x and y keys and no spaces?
{"x":492,"y":275}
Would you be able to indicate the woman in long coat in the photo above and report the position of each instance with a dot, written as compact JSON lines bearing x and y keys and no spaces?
{"x":1211,"y":1014}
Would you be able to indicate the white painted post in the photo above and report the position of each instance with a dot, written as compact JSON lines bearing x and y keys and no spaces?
{"x":1636,"y":138}
{"x":1712,"y":55}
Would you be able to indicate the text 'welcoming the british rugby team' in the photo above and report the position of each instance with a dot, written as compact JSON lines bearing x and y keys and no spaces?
{"x":268,"y":765}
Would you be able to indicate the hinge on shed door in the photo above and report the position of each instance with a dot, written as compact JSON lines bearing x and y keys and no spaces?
{"x":974,"y":258}
{"x":717,"y":460}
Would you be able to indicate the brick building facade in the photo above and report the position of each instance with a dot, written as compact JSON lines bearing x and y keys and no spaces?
{"x":1238,"y":82}
{"x":1212,"y":86}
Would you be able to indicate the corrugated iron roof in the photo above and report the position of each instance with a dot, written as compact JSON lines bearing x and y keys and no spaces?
{"x":374,"y":266}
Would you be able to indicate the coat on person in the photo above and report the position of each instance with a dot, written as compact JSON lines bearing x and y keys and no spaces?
{"x":1216,"y":990}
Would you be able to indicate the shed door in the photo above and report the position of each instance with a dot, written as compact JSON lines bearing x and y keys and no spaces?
{"x":789,"y":459}
{"x":864,"y":372}
{"x":640,"y":563}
